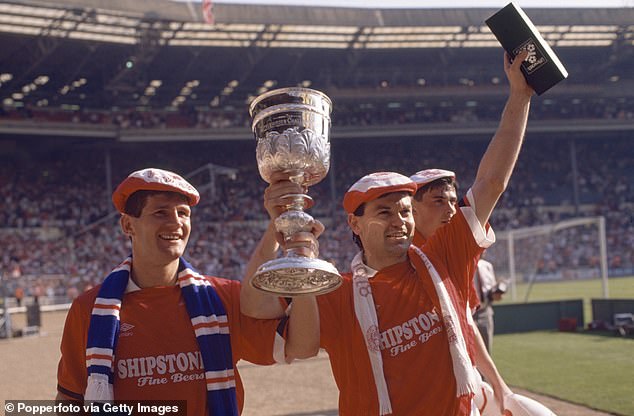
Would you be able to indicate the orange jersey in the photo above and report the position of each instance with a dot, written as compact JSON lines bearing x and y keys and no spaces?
{"x":416,"y":359}
{"x":450,"y":229}
{"x":450,"y":242}
{"x":157,"y":355}
{"x":453,"y":233}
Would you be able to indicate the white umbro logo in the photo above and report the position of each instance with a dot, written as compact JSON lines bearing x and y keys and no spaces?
{"x":125,"y":327}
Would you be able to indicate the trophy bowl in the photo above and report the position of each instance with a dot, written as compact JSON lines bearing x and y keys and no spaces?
{"x":292,"y":130}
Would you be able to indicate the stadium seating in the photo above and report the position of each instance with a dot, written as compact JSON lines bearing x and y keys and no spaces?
{"x":51,"y":202}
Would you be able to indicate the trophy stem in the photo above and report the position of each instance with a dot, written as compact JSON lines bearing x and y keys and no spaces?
{"x":295,"y":274}
{"x":294,"y":220}
{"x":297,"y":202}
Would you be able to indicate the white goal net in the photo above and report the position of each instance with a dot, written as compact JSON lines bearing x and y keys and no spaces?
{"x":570,"y":250}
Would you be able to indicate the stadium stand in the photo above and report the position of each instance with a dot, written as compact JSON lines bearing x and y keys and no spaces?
{"x":50,"y":205}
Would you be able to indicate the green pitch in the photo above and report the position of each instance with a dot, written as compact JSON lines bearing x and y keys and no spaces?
{"x":619,"y":288}
{"x":589,"y":369}
{"x":585,"y":368}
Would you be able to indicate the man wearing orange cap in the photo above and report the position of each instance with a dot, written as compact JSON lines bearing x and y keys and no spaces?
{"x":155,"y":329}
{"x":401,"y":319}
{"x":435,"y":204}
{"x":410,"y":306}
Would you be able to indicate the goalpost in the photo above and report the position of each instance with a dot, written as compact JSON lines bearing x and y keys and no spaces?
{"x":573,"y":249}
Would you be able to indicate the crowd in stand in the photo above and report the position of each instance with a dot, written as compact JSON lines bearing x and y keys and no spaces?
{"x":52,"y":246}
{"x":347,"y":113}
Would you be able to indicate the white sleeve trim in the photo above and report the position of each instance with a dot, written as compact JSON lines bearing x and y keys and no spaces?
{"x":279,"y":349}
{"x":483,"y":238}
{"x":470,"y":312}
{"x":279,"y":343}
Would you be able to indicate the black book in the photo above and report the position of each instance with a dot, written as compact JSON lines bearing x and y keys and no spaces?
{"x":515,"y":32}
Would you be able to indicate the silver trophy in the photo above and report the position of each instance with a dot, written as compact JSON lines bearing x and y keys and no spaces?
{"x":291,"y":127}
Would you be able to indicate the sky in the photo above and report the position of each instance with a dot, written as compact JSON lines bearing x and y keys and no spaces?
{"x":384,"y":4}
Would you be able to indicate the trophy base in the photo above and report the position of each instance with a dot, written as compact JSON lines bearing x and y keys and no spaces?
{"x":296,"y":276}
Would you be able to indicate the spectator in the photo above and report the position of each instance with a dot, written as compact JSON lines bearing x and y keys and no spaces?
{"x":489,"y":290}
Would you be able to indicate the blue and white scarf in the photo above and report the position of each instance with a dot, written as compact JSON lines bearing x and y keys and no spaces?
{"x":209,"y":322}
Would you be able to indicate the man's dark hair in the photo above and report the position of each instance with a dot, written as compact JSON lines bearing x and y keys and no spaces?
{"x":358,"y":213}
{"x":136,"y":202}
{"x":438,"y":183}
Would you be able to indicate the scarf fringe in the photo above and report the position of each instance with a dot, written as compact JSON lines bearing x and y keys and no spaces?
{"x":471,"y":385}
{"x":385,"y":409}
{"x":98,"y":389}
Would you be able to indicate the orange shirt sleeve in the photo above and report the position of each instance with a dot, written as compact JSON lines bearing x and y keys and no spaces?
{"x":332,"y":316}
{"x":71,"y":370}
{"x":251,"y":339}
{"x":457,"y":247}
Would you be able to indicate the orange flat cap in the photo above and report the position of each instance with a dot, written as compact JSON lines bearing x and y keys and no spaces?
{"x":374,"y":185}
{"x":426,"y":176}
{"x":153,"y":179}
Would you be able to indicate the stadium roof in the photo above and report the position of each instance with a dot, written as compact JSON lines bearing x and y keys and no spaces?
{"x":158,"y":54}
{"x":278,"y":14}
{"x":181,"y":23}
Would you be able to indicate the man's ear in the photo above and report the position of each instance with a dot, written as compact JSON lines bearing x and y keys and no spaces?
{"x":126,"y":225}
{"x":353,"y":222}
